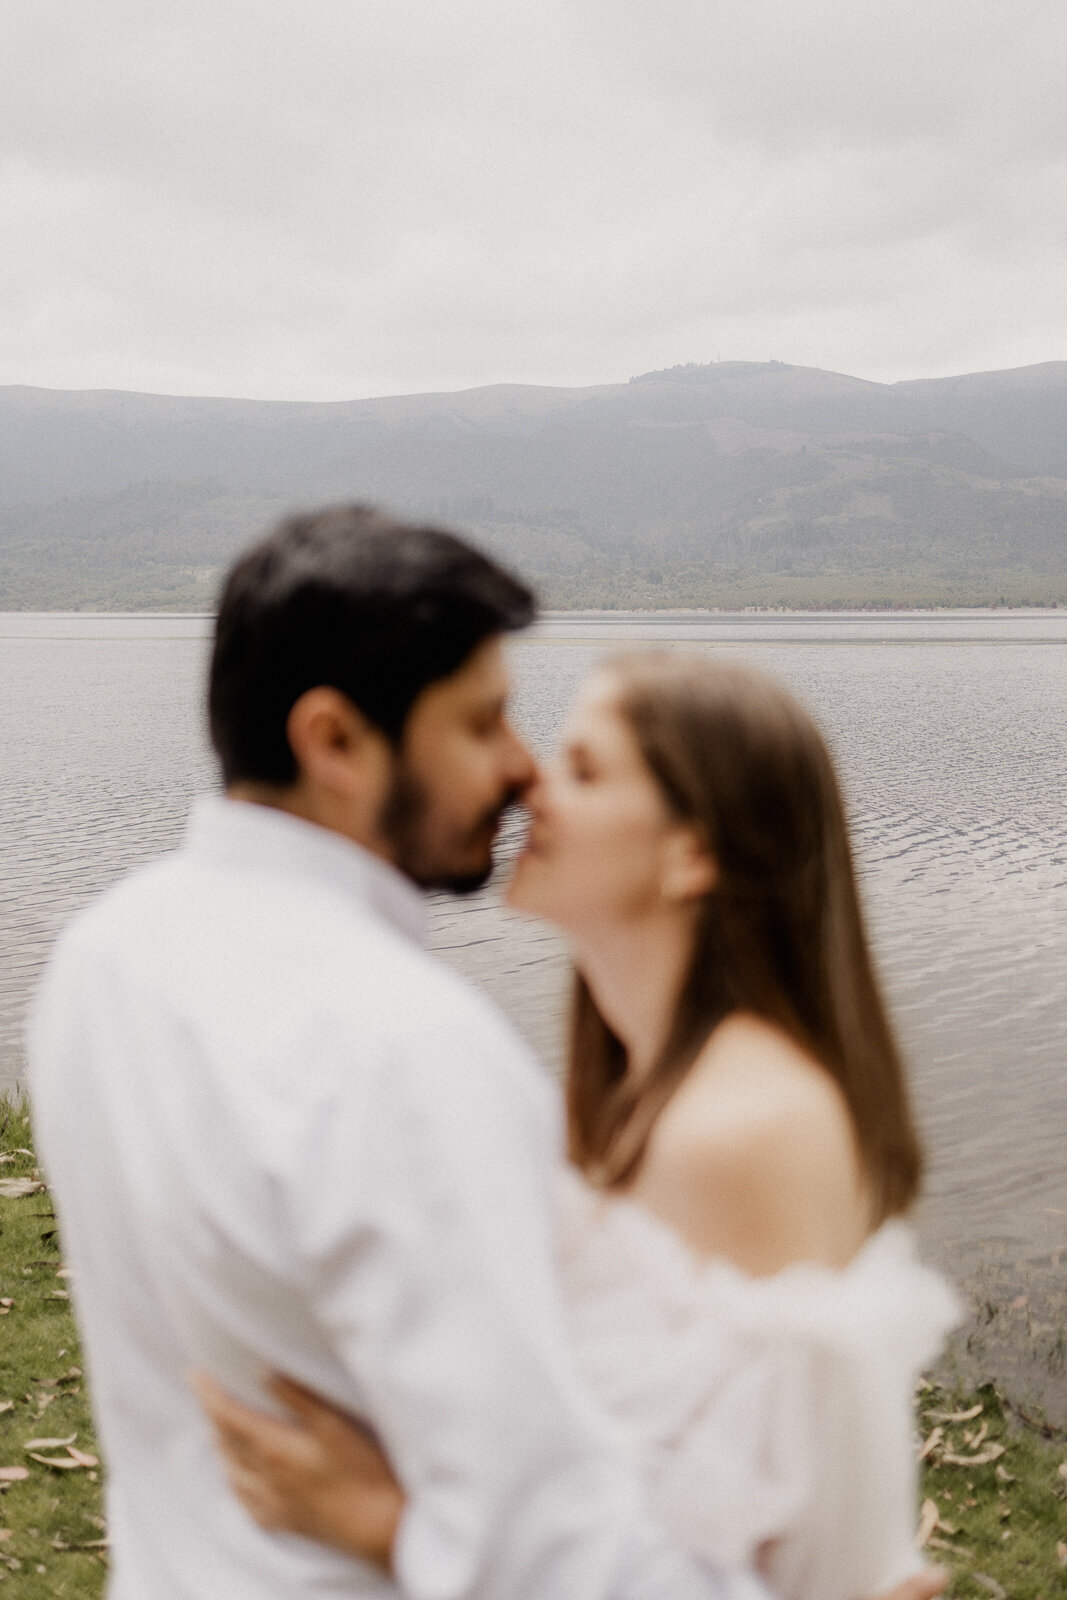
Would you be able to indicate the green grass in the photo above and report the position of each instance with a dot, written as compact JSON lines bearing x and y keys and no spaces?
{"x":51,"y":1520}
{"x":999,"y":1521}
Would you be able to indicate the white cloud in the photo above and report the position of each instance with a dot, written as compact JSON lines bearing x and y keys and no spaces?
{"x":354,"y":197}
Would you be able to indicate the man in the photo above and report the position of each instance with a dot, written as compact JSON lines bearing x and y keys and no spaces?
{"x":281,"y":1136}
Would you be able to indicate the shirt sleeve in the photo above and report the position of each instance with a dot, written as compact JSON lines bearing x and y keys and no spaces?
{"x":425,"y":1226}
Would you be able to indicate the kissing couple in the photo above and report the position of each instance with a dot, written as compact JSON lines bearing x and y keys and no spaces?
{"x":284,"y":1140}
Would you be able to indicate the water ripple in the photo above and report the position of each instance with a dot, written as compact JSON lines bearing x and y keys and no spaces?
{"x":948,"y":732}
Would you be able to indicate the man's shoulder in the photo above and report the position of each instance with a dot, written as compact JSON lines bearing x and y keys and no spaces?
{"x":116,"y":912}
{"x":280,"y":966}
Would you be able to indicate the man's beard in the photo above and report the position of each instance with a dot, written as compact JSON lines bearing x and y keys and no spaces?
{"x":403,"y":820}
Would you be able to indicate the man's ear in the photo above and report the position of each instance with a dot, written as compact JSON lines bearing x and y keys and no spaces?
{"x":689,"y":869}
{"x":335,"y":747}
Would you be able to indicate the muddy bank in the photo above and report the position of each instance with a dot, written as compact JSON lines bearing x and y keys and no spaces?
{"x":1015,"y":1334}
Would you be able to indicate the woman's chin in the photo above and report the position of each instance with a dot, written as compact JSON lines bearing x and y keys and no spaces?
{"x":516,"y":895}
{"x":528,"y":892}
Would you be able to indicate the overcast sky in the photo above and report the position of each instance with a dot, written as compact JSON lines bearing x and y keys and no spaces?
{"x":327,"y":200}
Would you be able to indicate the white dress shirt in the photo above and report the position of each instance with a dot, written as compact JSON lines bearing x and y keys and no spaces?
{"x":281,"y":1136}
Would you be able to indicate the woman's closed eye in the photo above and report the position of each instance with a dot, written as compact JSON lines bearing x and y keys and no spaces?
{"x":580,"y":768}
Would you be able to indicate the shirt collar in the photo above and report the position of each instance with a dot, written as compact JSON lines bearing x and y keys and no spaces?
{"x":243,"y":834}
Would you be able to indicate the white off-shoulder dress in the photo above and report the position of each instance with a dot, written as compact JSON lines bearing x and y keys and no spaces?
{"x":773,"y":1416}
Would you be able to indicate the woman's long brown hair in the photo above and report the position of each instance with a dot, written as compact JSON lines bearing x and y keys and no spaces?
{"x":780,"y":936}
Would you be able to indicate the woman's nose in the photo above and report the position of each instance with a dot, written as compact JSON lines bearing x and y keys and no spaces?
{"x":536,"y":797}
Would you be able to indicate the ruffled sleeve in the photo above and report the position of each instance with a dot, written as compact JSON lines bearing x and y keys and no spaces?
{"x":774,"y":1415}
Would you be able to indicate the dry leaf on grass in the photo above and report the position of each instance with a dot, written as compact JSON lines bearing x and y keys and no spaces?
{"x":992,"y":1452}
{"x":928,"y":1520}
{"x":13,"y":1474}
{"x":71,"y":1375}
{"x":931,"y":1522}
{"x":955,"y":1416}
{"x":1061,"y":1554}
{"x":936,"y":1543}
{"x":931,"y":1443}
{"x":984,"y":1581}
{"x":1062,"y":1469}
{"x":19,"y":1188}
{"x":73,"y":1459}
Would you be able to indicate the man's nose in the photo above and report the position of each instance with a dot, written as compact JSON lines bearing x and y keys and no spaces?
{"x":522,"y":768}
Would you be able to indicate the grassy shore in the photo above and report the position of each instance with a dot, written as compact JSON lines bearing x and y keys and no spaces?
{"x":994,"y":1485}
{"x":995,"y":1496}
{"x":51,"y":1519}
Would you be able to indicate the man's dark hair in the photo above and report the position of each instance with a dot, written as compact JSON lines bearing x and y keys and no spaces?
{"x":349,"y":598}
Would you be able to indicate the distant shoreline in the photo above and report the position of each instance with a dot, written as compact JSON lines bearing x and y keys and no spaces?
{"x":621,"y":613}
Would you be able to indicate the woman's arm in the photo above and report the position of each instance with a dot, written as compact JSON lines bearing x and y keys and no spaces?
{"x":319,"y":1474}
{"x":323,"y":1476}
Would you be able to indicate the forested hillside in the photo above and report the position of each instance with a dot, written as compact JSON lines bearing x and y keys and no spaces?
{"x":710,"y":485}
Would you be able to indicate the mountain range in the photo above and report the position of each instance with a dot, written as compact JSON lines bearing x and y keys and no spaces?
{"x":724,"y":484}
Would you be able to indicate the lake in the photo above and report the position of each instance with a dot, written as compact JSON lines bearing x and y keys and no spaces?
{"x":951,"y":737}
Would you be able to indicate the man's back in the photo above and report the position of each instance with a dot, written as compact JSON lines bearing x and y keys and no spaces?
{"x":232,"y":1058}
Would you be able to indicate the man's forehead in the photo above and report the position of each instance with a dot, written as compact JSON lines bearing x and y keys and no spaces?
{"x":483,"y":678}
{"x":486,"y":671}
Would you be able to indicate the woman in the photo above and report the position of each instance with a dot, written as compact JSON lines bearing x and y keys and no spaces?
{"x":742,"y":1291}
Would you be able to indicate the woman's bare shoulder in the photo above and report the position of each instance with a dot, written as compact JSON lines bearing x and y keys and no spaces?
{"x":755,"y":1156}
